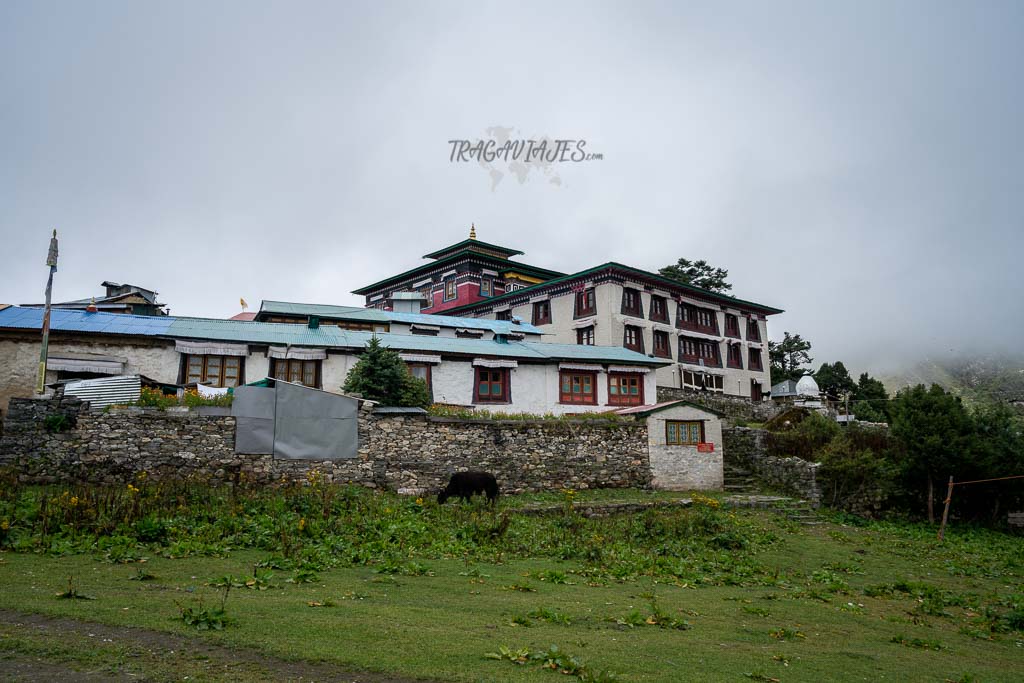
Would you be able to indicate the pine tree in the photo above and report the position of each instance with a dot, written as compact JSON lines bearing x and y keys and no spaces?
{"x":380,"y":375}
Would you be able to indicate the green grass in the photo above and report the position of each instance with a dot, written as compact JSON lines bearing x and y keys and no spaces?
{"x":681,"y":594}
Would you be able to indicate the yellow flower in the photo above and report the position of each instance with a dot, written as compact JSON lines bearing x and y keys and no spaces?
{"x":74,"y":500}
{"x":132,"y":489}
{"x":419,"y":501}
{"x":302,"y":523}
{"x":5,"y":525}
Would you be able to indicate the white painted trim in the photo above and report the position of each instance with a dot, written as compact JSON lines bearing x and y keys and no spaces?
{"x":585,"y":322}
{"x":492,"y":363}
{"x":628,"y":368}
{"x":294,"y":353}
{"x":581,"y":366}
{"x":419,"y":358}
{"x":211,"y":348}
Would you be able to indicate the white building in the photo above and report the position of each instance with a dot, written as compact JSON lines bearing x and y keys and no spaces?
{"x":499,"y":373}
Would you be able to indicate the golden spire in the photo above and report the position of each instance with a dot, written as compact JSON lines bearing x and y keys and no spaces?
{"x":472,"y":231}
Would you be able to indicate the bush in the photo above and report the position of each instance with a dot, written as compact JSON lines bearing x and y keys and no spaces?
{"x":804,"y":439}
{"x":853,"y":475}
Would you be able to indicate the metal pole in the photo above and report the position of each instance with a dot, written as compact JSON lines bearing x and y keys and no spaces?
{"x":945,"y":511}
{"x":51,"y":260}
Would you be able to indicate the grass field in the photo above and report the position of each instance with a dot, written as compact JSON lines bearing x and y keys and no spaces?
{"x":747,"y":596}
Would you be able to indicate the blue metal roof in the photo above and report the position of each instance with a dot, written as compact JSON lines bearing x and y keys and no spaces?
{"x":331,"y":336}
{"x":376,"y":315}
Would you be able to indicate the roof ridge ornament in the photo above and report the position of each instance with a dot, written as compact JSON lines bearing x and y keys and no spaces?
{"x":472,"y":231}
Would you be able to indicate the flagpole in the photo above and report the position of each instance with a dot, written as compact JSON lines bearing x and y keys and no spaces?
{"x":51,"y":260}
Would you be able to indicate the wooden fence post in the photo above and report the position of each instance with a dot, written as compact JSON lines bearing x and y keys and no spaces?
{"x":945,"y":511}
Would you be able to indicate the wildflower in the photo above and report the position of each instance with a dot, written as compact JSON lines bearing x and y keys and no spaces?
{"x":74,"y":500}
{"x":419,"y":501}
{"x":302,"y":523}
{"x":5,"y":525}
{"x":132,"y":489}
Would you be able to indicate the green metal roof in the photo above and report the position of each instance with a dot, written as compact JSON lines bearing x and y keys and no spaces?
{"x":472,"y":241}
{"x":376,"y":315}
{"x":611,"y":265}
{"x":498,"y":263}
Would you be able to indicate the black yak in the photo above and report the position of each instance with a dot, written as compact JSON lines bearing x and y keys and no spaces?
{"x":465,"y":484}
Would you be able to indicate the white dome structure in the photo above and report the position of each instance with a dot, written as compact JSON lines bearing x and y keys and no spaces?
{"x":806,"y":386}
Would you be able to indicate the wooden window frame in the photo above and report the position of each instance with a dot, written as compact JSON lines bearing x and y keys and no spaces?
{"x":505,"y":316}
{"x":675,"y":428}
{"x":637,"y":309}
{"x":689,"y":317}
{"x":737,"y":351}
{"x":667,"y":353}
{"x":187,"y":377}
{"x":487,"y":291}
{"x":455,"y":289}
{"x":585,"y":303}
{"x":662,"y":303}
{"x":615,"y":382}
{"x":275,"y":363}
{"x":542,"y":312}
{"x":573,"y":398}
{"x":429,"y":378}
{"x":754,"y":360}
{"x":639,"y":346}
{"x":753,"y":330}
{"x":700,"y":345}
{"x":499,"y":375}
{"x":583,"y":333}
{"x":733,"y":329}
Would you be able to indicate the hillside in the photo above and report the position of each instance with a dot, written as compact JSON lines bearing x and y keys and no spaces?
{"x":977,"y":378}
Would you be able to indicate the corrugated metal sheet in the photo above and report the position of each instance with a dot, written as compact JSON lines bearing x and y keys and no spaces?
{"x":326,"y":336}
{"x":106,"y":391}
{"x":375,"y":315}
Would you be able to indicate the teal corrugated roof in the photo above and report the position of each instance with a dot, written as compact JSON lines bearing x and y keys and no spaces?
{"x":376,"y":315}
{"x":326,"y":336}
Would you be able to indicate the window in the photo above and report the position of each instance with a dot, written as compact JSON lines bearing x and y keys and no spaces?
{"x":702,"y":380}
{"x":422,"y":371}
{"x":662,"y":346}
{"x":578,"y":387}
{"x":585,"y":303}
{"x":503,"y":315}
{"x":625,"y":389}
{"x":696,"y":350}
{"x":541,"y":312}
{"x":756,"y":392}
{"x":680,"y":433}
{"x":216,"y":371}
{"x":427,"y":292}
{"x":753,"y":331}
{"x":469,"y":334}
{"x":585,"y":336}
{"x":491,"y":386}
{"x":450,"y":290}
{"x":305,"y":372}
{"x":732,"y":326}
{"x":633,"y":338}
{"x":430,"y":332}
{"x":485,"y":286}
{"x":697,"y":319}
{"x":735,"y":356}
{"x":659,"y":309}
{"x":631,"y":304}
{"x":755,"y":360}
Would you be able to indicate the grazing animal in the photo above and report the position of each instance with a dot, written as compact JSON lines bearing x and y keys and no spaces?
{"x":465,"y":484}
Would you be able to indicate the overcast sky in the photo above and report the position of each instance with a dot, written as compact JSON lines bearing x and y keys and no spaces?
{"x":860,"y":165}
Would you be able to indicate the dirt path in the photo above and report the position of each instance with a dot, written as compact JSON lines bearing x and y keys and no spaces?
{"x":40,"y":648}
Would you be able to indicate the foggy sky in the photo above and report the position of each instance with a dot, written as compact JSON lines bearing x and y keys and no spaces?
{"x":859,"y":165}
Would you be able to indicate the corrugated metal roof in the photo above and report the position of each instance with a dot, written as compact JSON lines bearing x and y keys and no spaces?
{"x":329,"y":336}
{"x":106,"y":391}
{"x":376,"y":315}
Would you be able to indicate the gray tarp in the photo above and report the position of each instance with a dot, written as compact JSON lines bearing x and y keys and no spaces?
{"x":295,"y":422}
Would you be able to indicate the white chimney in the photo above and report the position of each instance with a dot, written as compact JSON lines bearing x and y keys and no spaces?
{"x":406,"y":302}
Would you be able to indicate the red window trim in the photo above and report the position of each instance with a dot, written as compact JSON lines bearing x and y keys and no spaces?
{"x":688,"y":318}
{"x":568,"y":398}
{"x":734,"y":329}
{"x":751,"y":364}
{"x":753,"y":327}
{"x":580,"y":332}
{"x":506,"y":389}
{"x":667,"y":351}
{"x":589,"y":297}
{"x":738,"y":361}
{"x":663,"y":318}
{"x":616,"y":399}
{"x":636,"y":311}
{"x":712,"y":362}
{"x":546,"y":306}
{"x":639,"y":346}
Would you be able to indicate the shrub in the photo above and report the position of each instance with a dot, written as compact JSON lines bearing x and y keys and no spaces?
{"x":803,"y":439}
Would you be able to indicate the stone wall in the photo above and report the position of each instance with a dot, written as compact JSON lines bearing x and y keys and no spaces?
{"x":411,"y":453}
{"x":733,"y":407}
{"x":746,"y":448}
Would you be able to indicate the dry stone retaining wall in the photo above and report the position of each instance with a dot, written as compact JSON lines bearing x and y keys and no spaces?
{"x":410,"y":453}
{"x":746,"y":448}
{"x":733,"y":407}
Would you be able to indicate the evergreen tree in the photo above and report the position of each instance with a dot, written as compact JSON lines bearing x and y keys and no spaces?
{"x":870,"y":400}
{"x":936,"y":433}
{"x":699,"y":274}
{"x":834,"y":379}
{"x":380,"y":375}
{"x":788,"y":357}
